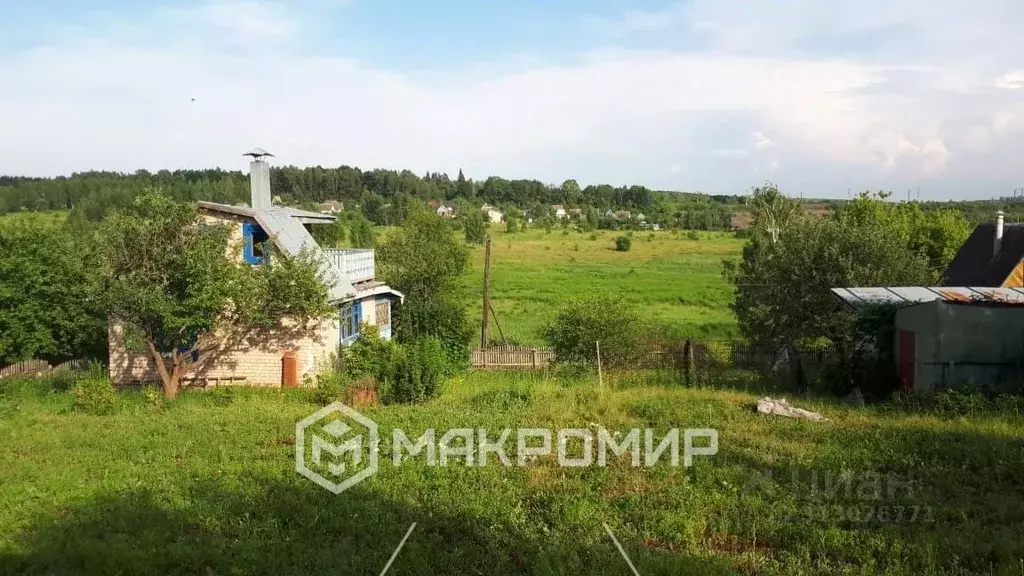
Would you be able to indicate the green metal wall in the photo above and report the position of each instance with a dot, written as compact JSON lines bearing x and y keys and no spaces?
{"x":957,"y":344}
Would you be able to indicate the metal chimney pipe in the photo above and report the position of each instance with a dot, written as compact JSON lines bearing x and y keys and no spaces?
{"x":997,"y":243}
{"x":259,"y":184}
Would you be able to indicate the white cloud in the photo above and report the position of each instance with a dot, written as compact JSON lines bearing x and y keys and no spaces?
{"x":732,"y":153}
{"x":1011,"y":80}
{"x":761,"y":141}
{"x":615,"y":114}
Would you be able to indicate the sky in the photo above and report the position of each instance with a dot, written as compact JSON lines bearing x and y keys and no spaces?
{"x":715,"y":96}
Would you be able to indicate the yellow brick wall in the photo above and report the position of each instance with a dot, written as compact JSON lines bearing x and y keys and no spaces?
{"x":257,"y":359}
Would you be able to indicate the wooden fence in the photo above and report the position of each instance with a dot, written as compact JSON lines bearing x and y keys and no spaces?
{"x":38,"y":367}
{"x":512,"y":358}
{"x":25,"y":368}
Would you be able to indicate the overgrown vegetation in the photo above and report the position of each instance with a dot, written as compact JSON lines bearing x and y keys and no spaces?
{"x":424,"y":261}
{"x":149,"y":492}
{"x":791,"y":262}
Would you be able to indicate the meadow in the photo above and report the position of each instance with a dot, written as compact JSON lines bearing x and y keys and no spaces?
{"x":674,"y":279}
{"x":207,"y":484}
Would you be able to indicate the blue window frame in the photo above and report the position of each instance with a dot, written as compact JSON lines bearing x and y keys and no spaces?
{"x":351,"y":319}
{"x":255,"y":240}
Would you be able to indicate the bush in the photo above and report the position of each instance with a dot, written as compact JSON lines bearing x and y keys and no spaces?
{"x":623,"y":243}
{"x":94,"y":396}
{"x":581,"y":323}
{"x":152,"y":396}
{"x":512,"y":226}
{"x":418,"y":370}
{"x":593,"y":236}
{"x":330,"y":386}
{"x":692,"y":235}
{"x":404,"y":373}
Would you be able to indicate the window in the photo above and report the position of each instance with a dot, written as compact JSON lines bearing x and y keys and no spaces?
{"x":255,"y":240}
{"x":383,"y":312}
{"x":351,"y":318}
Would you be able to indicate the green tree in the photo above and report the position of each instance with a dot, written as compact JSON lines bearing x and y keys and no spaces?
{"x":773,"y":211}
{"x":360,"y":231}
{"x":48,"y":292}
{"x":475,"y":226}
{"x":464,"y":187}
{"x":581,"y":323}
{"x":783,"y":288}
{"x":169,"y":280}
{"x":425,"y":262}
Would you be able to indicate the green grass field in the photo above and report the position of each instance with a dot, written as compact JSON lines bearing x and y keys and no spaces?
{"x":206,"y":485}
{"x":674,"y":280}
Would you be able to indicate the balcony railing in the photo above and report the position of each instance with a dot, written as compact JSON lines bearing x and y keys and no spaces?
{"x":356,"y":265}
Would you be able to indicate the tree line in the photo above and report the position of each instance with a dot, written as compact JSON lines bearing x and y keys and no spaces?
{"x":385,"y":197}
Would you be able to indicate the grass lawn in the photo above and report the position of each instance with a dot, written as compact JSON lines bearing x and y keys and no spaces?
{"x":675,"y":280}
{"x":206,"y":485}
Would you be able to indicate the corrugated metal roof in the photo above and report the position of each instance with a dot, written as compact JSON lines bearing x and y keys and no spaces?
{"x":291,"y":237}
{"x":283,"y":226}
{"x":858,"y":297}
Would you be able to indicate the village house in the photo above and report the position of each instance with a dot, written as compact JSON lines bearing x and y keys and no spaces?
{"x":559,"y":211}
{"x":331,"y":207}
{"x":494,"y":216}
{"x":575,"y":213}
{"x":991,"y":257}
{"x":352,"y":290}
{"x":443,"y":209}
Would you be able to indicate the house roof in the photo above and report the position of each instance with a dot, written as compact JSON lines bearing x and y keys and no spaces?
{"x":284,"y":226}
{"x":861,"y":297}
{"x":974,"y":265}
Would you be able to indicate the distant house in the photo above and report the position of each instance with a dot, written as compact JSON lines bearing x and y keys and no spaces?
{"x":640,"y":216}
{"x":609,"y":214}
{"x":331,"y":207}
{"x":494,"y":216}
{"x":446,"y":209}
{"x":991,"y":257}
{"x":576,"y":213}
{"x":622,"y":215}
{"x":357,"y":297}
{"x":559,"y":211}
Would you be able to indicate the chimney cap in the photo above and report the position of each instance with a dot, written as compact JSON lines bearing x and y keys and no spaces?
{"x":258,"y":153}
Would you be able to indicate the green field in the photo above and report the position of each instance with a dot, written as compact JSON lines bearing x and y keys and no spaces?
{"x":674,"y":280}
{"x":206,"y":485}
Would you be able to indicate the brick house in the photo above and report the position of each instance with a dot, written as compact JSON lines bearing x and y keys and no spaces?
{"x":352,"y":290}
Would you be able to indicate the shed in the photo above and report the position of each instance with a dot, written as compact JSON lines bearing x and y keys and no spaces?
{"x":952,"y":336}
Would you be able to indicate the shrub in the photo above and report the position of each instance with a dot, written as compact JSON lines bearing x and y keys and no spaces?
{"x":94,"y":396}
{"x":512,"y":226}
{"x":418,"y":371}
{"x":593,"y":236}
{"x":692,"y":235}
{"x":152,"y":396}
{"x":581,"y":323}
{"x":623,"y":243}
{"x":330,"y":386}
{"x":410,"y":372}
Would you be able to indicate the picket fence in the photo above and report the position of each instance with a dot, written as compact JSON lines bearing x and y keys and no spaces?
{"x":512,"y":358}
{"x":37,"y":367}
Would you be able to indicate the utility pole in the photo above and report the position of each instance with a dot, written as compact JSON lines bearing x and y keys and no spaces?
{"x":487,"y":292}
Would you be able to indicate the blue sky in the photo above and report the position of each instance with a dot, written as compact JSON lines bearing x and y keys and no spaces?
{"x":695,"y":95}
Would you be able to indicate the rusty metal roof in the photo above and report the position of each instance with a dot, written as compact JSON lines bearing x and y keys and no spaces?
{"x":859,"y":297}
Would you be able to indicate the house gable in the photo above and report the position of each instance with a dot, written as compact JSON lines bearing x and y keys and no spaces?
{"x":975,"y":264}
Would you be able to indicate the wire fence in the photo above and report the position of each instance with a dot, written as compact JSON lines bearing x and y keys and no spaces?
{"x":692,"y":362}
